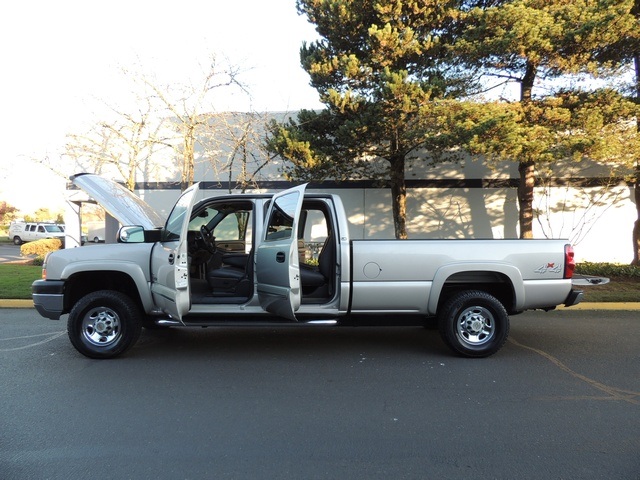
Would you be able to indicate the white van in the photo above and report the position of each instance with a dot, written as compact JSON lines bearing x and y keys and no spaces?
{"x":95,"y":233}
{"x":21,"y":232}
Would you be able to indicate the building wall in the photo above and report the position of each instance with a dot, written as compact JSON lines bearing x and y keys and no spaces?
{"x":466,"y":199}
{"x":600,"y":233}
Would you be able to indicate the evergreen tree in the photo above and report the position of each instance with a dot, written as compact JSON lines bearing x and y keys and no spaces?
{"x":529,"y":42}
{"x":381,"y":68}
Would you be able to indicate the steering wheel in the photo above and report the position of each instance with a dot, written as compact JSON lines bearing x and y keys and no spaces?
{"x":208,"y":240}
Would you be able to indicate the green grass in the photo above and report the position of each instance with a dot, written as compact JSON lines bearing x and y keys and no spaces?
{"x":619,"y":289}
{"x":16,"y":280}
{"x":624,"y":285}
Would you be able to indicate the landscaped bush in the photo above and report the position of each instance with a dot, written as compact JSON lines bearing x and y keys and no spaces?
{"x":607,"y":269}
{"x":40,"y":248}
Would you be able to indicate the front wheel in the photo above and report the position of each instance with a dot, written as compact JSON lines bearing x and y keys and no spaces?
{"x":474,"y":323}
{"x":104,"y":324}
{"x":17,"y":240}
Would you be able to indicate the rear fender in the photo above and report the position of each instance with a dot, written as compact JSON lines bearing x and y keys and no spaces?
{"x":443,"y":274}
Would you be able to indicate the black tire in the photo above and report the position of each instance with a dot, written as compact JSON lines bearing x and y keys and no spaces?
{"x":474,"y":323}
{"x":104,"y":324}
{"x":96,"y":240}
{"x":17,"y":240}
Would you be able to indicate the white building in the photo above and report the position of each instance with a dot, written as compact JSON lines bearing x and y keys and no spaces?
{"x":457,"y":200}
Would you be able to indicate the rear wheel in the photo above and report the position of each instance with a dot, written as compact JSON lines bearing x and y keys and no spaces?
{"x":104,"y":324}
{"x":474,"y":323}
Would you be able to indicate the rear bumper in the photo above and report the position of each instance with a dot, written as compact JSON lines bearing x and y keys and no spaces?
{"x":574,"y":298}
{"x":48,"y":298}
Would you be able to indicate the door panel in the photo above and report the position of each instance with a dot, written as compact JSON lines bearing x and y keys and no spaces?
{"x":170,"y":261}
{"x":277,"y":263}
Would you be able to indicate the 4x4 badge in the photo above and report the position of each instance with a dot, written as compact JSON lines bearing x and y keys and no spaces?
{"x":549,"y":268}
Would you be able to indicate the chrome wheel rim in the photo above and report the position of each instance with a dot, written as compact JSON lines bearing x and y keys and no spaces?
{"x":476,"y":326}
{"x":101,"y":326}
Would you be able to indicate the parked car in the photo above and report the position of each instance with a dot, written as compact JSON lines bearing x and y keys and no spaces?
{"x":21,"y":232}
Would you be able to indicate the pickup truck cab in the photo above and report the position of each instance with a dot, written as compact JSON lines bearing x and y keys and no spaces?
{"x":288,"y":259}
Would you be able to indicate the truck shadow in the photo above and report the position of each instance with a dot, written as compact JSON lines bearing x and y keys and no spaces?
{"x":292,"y":342}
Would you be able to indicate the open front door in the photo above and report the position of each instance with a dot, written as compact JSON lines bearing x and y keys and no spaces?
{"x":277,"y":263}
{"x":170,"y":262}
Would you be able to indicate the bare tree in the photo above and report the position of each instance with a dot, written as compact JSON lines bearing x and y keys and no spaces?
{"x":572,"y":211}
{"x":123,"y":147}
{"x":189,"y":108}
{"x":236,"y":149}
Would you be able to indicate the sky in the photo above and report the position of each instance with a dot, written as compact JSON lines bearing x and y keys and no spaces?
{"x":63,"y":60}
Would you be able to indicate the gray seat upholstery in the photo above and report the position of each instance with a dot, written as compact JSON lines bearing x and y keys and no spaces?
{"x":322,"y":274}
{"x":228,"y":277}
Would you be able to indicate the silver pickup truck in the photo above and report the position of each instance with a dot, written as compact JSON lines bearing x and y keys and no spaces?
{"x":288,"y":259}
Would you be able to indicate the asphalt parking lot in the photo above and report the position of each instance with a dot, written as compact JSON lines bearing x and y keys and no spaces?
{"x":10,"y":253}
{"x":561,"y":400}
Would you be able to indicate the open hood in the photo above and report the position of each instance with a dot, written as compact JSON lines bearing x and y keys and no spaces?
{"x":117,"y":201}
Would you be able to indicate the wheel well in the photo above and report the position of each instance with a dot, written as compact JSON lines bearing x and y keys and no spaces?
{"x":83,"y":283}
{"x":494,"y":283}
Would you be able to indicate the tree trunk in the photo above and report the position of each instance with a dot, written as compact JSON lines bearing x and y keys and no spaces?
{"x":188,"y":159}
{"x":525,"y":197}
{"x":131,"y":179}
{"x":636,"y":181}
{"x":399,"y":196}
{"x":526,"y":167}
{"x":636,"y":224}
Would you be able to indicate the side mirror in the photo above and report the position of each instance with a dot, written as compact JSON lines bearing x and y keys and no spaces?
{"x":134,"y":234}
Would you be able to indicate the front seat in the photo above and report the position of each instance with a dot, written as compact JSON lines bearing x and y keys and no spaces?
{"x":234,"y":278}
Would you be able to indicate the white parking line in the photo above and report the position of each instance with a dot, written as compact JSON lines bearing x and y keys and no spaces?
{"x":51,"y":336}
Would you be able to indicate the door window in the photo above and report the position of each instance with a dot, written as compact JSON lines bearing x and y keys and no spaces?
{"x":280,"y":226}
{"x":175,"y":222}
{"x":231,"y":223}
{"x":233,"y":226}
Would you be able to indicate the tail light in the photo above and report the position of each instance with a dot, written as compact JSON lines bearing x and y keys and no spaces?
{"x":569,"y":261}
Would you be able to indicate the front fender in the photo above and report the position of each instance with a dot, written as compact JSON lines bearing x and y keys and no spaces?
{"x":131,"y":269}
{"x":445,"y":272}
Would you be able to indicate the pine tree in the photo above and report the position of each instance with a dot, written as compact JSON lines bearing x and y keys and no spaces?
{"x":528,"y":42}
{"x":380,"y":68}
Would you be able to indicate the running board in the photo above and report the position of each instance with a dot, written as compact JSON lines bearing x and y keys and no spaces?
{"x":167,"y":322}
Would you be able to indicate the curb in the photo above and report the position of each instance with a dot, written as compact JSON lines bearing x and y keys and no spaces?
{"x":603,"y":306}
{"x":5,"y":303}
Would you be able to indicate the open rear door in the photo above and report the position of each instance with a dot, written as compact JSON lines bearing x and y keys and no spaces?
{"x":277,"y":263}
{"x":170,"y":262}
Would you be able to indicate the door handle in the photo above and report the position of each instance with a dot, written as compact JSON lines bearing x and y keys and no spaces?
{"x":280,"y":257}
{"x":171,"y":258}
